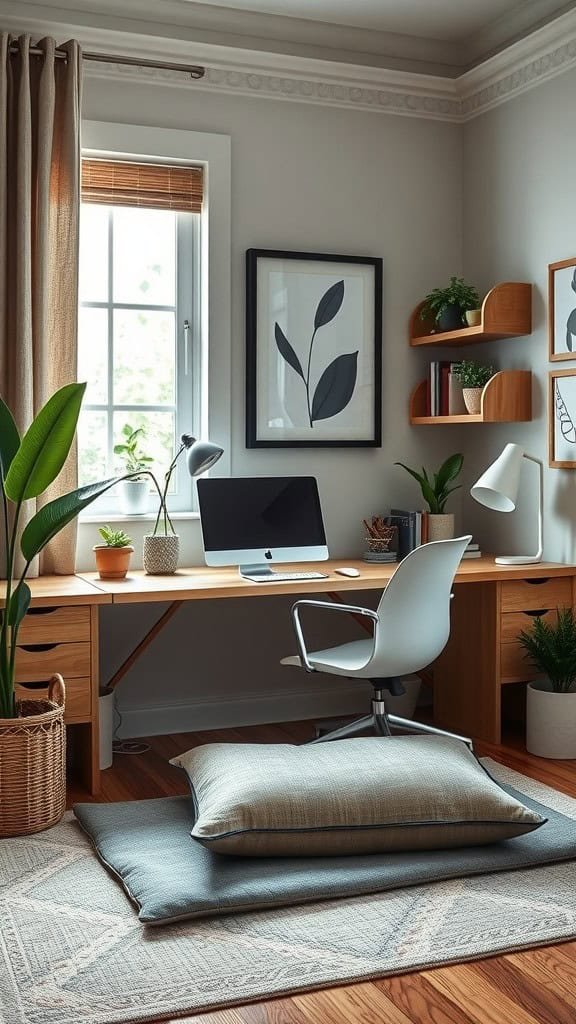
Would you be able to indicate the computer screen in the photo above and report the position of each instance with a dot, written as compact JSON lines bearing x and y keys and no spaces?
{"x":252,"y":519}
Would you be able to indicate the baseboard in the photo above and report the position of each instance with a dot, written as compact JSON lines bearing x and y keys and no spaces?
{"x":251,"y":709}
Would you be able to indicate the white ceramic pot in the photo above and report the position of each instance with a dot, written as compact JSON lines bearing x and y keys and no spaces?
{"x":106,"y":714}
{"x":133,"y":496}
{"x":473,"y":400}
{"x":550,"y":721}
{"x":160,"y":555}
{"x":473,"y":317}
{"x":441,"y":527}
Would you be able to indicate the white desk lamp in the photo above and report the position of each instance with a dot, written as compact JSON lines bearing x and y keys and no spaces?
{"x":497,"y":489}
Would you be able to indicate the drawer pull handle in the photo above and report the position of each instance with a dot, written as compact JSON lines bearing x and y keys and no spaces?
{"x":536,"y":583}
{"x":39,"y":648}
{"x":537,"y":612}
{"x":40,"y":685}
{"x":41,"y":611}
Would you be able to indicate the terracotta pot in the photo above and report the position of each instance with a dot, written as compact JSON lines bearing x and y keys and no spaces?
{"x":112,"y":563}
{"x":550,"y":721}
{"x":441,"y":527}
{"x":161,"y":553}
{"x":473,"y":400}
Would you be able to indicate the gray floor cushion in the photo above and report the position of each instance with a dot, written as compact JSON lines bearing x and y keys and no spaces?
{"x":146,"y":844}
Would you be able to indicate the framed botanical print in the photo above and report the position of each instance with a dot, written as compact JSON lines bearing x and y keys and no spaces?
{"x":313,"y":350}
{"x":562,"y":310}
{"x":562,"y":419}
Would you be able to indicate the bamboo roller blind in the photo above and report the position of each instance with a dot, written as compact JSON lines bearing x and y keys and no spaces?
{"x":156,"y":186}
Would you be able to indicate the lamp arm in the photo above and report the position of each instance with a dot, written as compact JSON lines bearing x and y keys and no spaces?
{"x":540,"y":464}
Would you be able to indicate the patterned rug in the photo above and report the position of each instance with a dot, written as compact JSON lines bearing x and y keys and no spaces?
{"x":72,"y":949}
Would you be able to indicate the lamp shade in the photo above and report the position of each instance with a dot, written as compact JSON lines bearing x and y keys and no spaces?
{"x":201,"y":455}
{"x":497,"y":488}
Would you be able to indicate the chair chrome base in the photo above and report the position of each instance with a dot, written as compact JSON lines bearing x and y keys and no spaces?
{"x":381,"y":724}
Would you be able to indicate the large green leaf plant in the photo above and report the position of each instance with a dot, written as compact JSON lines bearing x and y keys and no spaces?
{"x":28,"y":465}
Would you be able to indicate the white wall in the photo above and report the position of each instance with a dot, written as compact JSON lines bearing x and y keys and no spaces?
{"x":318,"y":179}
{"x":519,"y":202}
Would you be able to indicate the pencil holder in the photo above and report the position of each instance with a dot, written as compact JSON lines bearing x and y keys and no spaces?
{"x":378,"y":548}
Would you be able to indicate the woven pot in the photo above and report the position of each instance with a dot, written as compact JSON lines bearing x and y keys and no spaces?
{"x":441,"y":527}
{"x":33,"y":764}
{"x":472,"y":399}
{"x":160,"y":556}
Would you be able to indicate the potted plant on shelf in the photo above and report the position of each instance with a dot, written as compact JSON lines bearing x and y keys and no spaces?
{"x":447,"y":306}
{"x":32,"y":734}
{"x":436,"y":490}
{"x":162,"y":546}
{"x":113,"y":556}
{"x":473,"y":378}
{"x":551,"y":699}
{"x":134,"y":492}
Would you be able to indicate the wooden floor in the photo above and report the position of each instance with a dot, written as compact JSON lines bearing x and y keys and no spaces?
{"x":535,"y":987}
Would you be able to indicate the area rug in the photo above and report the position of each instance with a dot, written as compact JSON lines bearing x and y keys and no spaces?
{"x":72,"y":948}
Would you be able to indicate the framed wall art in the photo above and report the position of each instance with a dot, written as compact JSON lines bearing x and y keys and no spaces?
{"x":313,"y":350}
{"x":562,"y":310}
{"x":562,"y":419}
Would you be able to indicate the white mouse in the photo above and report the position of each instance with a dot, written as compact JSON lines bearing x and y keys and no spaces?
{"x":344,"y":571}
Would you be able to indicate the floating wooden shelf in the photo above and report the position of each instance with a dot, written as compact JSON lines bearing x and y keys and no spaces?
{"x":506,"y":398}
{"x":506,"y":313}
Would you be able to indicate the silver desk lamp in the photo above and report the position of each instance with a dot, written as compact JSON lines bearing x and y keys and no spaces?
{"x":497,"y":489}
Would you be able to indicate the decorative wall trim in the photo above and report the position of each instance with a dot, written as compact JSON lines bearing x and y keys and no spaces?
{"x":250,"y":709}
{"x":546,"y":53}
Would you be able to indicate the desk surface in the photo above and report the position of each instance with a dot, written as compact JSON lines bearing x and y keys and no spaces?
{"x":202,"y":582}
{"x":63,"y":590}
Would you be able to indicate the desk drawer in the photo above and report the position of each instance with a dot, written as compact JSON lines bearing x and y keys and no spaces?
{"x":77,"y":697}
{"x":512,"y":623}
{"x":513,"y":664}
{"x":530,"y":595}
{"x":55,"y":625}
{"x":37,"y":662}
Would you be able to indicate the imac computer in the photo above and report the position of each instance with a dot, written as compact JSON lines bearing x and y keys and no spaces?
{"x":255,"y":521}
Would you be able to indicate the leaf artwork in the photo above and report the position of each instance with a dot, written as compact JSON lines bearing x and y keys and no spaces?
{"x":571,"y":322}
{"x":336,"y":385}
{"x":567,"y":427}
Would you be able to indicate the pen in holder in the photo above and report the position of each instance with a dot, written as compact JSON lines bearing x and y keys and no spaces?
{"x":379,"y":539}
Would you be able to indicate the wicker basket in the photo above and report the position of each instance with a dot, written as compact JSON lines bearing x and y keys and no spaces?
{"x":33,"y":764}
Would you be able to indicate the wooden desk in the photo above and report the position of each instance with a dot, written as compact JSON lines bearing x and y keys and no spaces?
{"x":482,"y":658}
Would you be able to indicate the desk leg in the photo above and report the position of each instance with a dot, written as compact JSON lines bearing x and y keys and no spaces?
{"x":144,"y":643}
{"x":88,"y":735}
{"x":467,"y":697}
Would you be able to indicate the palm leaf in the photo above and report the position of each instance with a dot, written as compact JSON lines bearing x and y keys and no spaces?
{"x":54,"y":516}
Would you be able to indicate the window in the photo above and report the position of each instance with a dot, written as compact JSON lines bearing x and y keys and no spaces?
{"x":139,"y":318}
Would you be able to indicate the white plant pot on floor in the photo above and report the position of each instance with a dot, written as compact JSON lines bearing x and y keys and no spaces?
{"x":550,"y":721}
{"x":106,"y":714}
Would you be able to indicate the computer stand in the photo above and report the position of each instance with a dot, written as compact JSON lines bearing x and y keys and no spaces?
{"x":257,"y":571}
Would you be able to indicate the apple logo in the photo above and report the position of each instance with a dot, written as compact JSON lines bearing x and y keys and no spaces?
{"x":268,"y":555}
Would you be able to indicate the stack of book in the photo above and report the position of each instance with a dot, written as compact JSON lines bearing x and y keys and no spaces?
{"x":412,"y":529}
{"x":472,"y":551}
{"x":443,"y":392}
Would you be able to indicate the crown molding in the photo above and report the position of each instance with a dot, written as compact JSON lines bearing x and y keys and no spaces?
{"x":548,"y":52}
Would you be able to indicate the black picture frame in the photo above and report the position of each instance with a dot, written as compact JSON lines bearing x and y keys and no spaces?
{"x":343,"y":375}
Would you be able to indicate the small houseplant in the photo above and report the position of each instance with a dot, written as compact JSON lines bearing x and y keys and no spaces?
{"x":32,"y":736}
{"x":134,"y":491}
{"x":113,"y":556}
{"x":447,"y":306}
{"x":473,"y":377}
{"x":551,"y":699}
{"x":436,"y":489}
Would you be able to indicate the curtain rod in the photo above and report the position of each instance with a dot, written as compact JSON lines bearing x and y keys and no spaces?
{"x":194,"y":70}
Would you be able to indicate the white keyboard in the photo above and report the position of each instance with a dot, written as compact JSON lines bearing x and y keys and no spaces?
{"x":281,"y":577}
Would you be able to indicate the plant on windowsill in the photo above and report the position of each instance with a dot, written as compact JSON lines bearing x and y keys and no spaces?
{"x":162,"y":546}
{"x":551,"y":699}
{"x":447,"y":306}
{"x":134,"y":492}
{"x":113,"y":556}
{"x":436,"y":490}
{"x":32,"y":735}
{"x":473,"y":378}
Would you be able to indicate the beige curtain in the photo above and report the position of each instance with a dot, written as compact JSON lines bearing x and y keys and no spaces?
{"x":39,"y":215}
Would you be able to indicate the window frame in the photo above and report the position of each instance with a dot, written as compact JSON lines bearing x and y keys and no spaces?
{"x":212,"y":353}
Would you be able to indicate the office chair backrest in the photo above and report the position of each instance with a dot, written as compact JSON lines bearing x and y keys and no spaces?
{"x":414,"y":610}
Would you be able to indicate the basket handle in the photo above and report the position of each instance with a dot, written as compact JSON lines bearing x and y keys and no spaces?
{"x":57,"y":690}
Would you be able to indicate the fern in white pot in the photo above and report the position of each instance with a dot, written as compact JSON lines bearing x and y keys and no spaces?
{"x":551,"y":699}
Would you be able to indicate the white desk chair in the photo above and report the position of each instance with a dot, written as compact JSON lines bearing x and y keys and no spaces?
{"x":411,"y":628}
